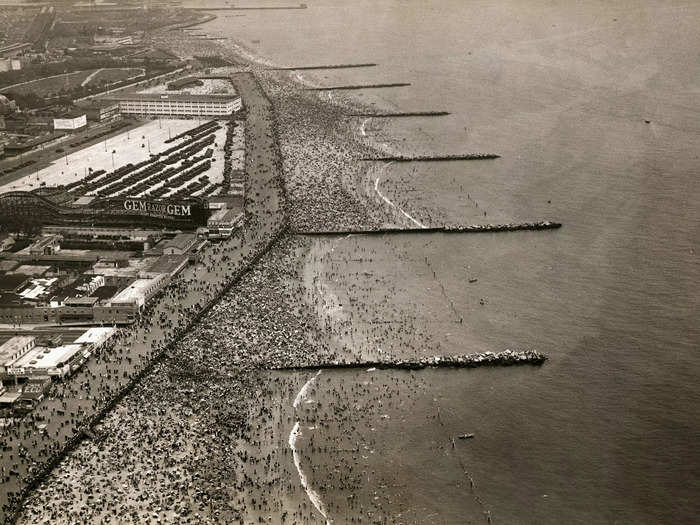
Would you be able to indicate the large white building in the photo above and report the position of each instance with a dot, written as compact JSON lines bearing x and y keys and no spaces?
{"x":10,"y":64}
{"x":177,"y":104}
{"x":70,"y":122}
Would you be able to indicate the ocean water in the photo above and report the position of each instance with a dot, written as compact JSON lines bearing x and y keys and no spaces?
{"x":606,"y":431}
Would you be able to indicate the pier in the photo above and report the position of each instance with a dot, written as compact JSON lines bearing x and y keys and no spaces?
{"x":469,"y":228}
{"x":359,"y":86}
{"x":505,"y":358}
{"x":434,"y":158}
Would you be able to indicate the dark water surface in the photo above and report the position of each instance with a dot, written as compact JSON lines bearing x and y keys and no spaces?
{"x":606,"y":431}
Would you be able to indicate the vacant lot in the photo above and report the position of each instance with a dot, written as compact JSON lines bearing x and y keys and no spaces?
{"x":111,"y":75}
{"x":53,"y":85}
{"x":50,"y":86}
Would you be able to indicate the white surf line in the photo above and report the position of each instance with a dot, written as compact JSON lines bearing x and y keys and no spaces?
{"x":311,"y":493}
{"x":304,"y":389}
{"x":414,"y":221}
{"x":313,"y":496}
{"x":362,"y":126}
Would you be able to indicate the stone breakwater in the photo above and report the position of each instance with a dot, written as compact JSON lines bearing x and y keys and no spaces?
{"x":505,"y":358}
{"x":433,"y":158}
{"x":359,"y":86}
{"x":251,"y":8}
{"x":509,"y":227}
{"x":402,"y":114}
{"x":331,"y":66}
{"x":469,"y":228}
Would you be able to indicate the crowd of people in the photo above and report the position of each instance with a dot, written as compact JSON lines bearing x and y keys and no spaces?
{"x":182,"y":435}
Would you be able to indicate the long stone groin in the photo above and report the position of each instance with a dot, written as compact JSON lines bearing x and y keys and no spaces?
{"x":330,"y":66}
{"x":434,"y":158}
{"x":359,"y":86}
{"x":248,"y":8}
{"x":402,"y":114}
{"x":505,"y":358}
{"x":468,"y":228}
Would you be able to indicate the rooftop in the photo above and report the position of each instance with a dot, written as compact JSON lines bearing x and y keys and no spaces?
{"x":13,"y":345}
{"x":172,"y":97}
{"x":181,"y":241}
{"x":12,"y":282}
{"x":10,"y":397}
{"x":168,"y":264}
{"x":8,"y":265}
{"x":94,"y":103}
{"x":43,"y":357}
{"x":224,"y":215}
{"x":134,"y":293}
{"x":71,"y":114}
{"x":95,"y":335}
{"x":81,"y":301}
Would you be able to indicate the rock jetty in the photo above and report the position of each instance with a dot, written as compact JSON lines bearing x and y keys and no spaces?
{"x":359,"y":86}
{"x":505,"y":358}
{"x":468,"y":228}
{"x":331,"y":66}
{"x":434,"y":158}
{"x":402,"y":114}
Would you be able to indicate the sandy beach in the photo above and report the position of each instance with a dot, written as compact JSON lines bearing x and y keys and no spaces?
{"x":214,"y":377}
{"x":210,"y":435}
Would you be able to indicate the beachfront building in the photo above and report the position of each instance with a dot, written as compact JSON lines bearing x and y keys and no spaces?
{"x":178,"y":105}
{"x":22,"y":358}
{"x":98,"y":110}
{"x":139,"y":292}
{"x":48,"y":361}
{"x":13,"y":349}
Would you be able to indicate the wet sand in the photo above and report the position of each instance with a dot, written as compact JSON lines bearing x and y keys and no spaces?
{"x":210,"y":436}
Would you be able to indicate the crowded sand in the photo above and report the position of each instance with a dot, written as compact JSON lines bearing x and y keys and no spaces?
{"x":208,"y":434}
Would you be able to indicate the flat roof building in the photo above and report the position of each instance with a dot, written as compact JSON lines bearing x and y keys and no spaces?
{"x":139,"y":292}
{"x":70,"y":122}
{"x":42,"y":360}
{"x":99,"y":110}
{"x":13,"y":349}
{"x":170,"y":265}
{"x":95,"y":336}
{"x":177,"y":105}
{"x":178,"y":245}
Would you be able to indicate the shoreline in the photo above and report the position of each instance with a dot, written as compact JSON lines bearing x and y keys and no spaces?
{"x":353,"y":207}
{"x":79,"y":437}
